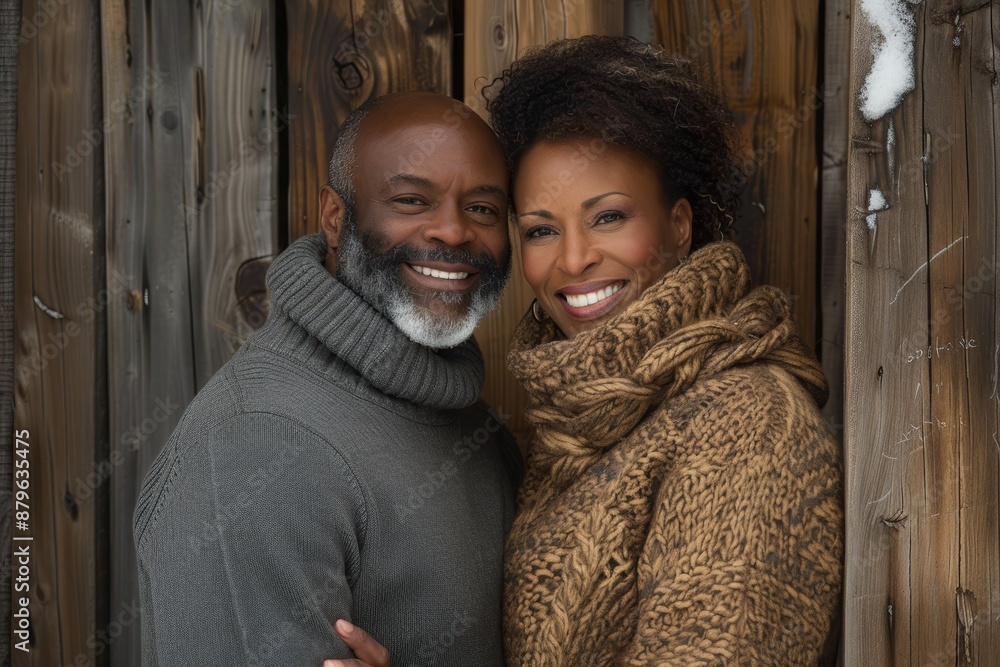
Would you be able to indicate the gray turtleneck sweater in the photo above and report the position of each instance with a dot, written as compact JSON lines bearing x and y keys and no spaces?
{"x":331,"y":469}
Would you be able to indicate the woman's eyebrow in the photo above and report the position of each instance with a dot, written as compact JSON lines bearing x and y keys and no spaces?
{"x":593,"y":200}
{"x":541,"y":213}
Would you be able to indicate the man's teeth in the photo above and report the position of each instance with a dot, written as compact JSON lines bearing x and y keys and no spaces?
{"x":434,"y":273}
{"x":581,"y":300}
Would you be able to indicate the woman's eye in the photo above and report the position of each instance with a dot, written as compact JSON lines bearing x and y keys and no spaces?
{"x":538,"y":232}
{"x":610,"y":216}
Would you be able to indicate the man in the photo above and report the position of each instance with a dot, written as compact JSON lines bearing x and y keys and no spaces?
{"x":341,"y":465}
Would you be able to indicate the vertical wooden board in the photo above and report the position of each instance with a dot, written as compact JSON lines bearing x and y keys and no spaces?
{"x":885,"y":433}
{"x":936,"y":556}
{"x":191,"y":202}
{"x":833,"y":205}
{"x":930,"y":270}
{"x":496,"y":32}
{"x":341,"y":54}
{"x":978,"y":450}
{"x":236,"y":147}
{"x":59,"y":361}
{"x":150,"y":74}
{"x":10,"y":26}
{"x":763,"y":57}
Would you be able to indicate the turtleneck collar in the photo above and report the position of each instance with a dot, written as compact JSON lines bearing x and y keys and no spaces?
{"x":586,"y":393}
{"x":326,"y":313}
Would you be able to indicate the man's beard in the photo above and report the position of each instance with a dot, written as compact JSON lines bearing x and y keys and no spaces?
{"x":376,"y":276}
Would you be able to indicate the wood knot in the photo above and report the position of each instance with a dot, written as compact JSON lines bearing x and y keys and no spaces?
{"x":499,"y":35}
{"x":251,"y":291}
{"x":896,"y":521}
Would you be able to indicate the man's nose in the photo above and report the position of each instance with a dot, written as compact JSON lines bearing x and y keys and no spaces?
{"x":449,"y":226}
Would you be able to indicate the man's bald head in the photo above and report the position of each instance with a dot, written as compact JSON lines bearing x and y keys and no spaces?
{"x":389,"y":112}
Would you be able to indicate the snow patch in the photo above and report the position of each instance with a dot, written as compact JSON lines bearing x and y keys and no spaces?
{"x":876,"y":203}
{"x":891,"y":76}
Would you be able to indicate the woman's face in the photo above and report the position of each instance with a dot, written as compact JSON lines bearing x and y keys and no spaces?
{"x":594,"y":228}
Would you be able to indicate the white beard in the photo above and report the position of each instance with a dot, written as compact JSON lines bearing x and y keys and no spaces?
{"x":394,"y":299}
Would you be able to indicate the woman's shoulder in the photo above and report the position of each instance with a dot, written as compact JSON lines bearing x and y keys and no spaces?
{"x":753,"y":405}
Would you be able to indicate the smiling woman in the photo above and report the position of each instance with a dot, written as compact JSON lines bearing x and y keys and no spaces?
{"x":586,"y":255}
{"x":682,"y":501}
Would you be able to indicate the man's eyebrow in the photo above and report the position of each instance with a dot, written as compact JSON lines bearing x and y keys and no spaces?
{"x":593,"y":200}
{"x":489,"y":190}
{"x":409,"y":179}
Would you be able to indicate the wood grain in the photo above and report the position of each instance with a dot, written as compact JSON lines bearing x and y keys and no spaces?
{"x":60,"y":393}
{"x":496,"y":32}
{"x":191,"y":200}
{"x":10,"y":27}
{"x":764,"y":57}
{"x":833,"y":205}
{"x":340,"y":54}
{"x":923,"y":543}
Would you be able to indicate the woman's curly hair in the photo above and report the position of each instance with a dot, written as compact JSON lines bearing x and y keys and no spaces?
{"x":635,"y":96}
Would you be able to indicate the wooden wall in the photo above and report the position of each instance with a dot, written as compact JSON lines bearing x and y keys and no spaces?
{"x":923,"y":530}
{"x":217,"y":120}
{"x":60,"y":364}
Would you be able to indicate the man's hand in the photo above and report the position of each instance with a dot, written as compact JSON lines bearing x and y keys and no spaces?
{"x":370,"y":653}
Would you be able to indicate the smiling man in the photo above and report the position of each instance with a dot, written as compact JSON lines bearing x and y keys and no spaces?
{"x":341,"y":465}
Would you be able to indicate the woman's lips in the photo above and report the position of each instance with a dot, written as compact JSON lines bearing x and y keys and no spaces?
{"x":589,"y":292}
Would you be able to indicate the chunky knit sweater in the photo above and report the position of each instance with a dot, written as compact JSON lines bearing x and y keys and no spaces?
{"x":331,"y":469}
{"x":683,"y":498}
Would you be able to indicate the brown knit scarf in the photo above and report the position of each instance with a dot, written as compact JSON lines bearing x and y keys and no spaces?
{"x":638,"y":418}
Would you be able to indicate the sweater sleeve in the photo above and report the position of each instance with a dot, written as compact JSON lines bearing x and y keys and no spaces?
{"x":248,"y":544}
{"x":743,"y":561}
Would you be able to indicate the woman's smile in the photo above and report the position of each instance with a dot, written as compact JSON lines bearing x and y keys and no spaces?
{"x":592,"y":300}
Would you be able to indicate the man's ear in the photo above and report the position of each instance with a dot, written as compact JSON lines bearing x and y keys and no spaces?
{"x":682,"y":219}
{"x":332,"y":210}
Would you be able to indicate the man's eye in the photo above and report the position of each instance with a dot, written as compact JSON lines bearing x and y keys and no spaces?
{"x":408,"y":201}
{"x":481,"y":209}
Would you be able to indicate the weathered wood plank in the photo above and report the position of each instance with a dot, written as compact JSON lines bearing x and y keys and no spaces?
{"x":10,"y":27}
{"x":833,"y":204}
{"x":764,"y":57}
{"x":496,"y":32}
{"x":922,"y":521}
{"x":191,"y":201}
{"x":341,"y":54}
{"x":59,"y":360}
{"x":974,"y":55}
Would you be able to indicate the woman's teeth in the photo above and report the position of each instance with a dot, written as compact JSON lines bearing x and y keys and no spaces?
{"x":581,"y":300}
{"x":434,"y":273}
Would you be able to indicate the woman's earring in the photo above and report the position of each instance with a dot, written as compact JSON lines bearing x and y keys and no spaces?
{"x":537,"y":312}
{"x":683,"y":259}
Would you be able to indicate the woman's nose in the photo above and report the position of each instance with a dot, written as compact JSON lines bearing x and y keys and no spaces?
{"x":579,"y":253}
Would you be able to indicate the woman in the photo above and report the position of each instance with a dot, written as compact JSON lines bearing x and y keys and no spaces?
{"x":683,"y":498}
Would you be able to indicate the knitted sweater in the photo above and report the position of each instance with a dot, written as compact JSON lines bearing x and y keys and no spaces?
{"x":331,"y":469}
{"x":683,"y":497}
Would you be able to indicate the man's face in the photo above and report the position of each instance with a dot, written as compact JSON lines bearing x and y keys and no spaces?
{"x":427,"y":241}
